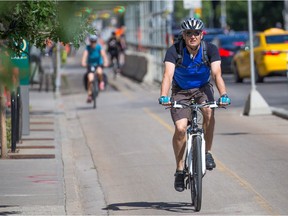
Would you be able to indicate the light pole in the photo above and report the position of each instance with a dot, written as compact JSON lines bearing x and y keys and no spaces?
{"x":255,"y":103}
{"x":223,"y":14}
{"x":285,"y":14}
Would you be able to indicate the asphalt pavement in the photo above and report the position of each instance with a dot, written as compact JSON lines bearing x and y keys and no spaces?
{"x":50,"y":173}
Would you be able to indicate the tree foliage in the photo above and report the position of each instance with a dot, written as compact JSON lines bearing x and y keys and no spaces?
{"x":266,"y":14}
{"x":35,"y":21}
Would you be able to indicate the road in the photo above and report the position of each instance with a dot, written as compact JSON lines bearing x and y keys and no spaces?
{"x":129,"y":138}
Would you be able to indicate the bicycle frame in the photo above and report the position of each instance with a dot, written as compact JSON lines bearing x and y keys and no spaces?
{"x":95,"y":90}
{"x":195,"y":148}
{"x":190,"y":135}
{"x":194,"y":130}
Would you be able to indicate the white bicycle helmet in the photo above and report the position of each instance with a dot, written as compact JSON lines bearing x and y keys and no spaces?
{"x":93,"y":38}
{"x":192,"y":24}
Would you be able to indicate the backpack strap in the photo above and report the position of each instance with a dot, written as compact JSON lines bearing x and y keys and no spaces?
{"x":179,"y":49}
{"x":204,"y":53}
{"x":179,"y":45}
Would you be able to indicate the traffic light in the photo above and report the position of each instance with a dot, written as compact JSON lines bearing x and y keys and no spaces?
{"x":198,"y":13}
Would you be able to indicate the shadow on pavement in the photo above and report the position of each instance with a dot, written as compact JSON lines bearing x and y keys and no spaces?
{"x":4,"y":210}
{"x":132,"y":206}
{"x":88,"y":107}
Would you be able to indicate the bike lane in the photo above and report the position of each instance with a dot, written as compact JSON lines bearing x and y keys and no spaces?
{"x":130,"y":146}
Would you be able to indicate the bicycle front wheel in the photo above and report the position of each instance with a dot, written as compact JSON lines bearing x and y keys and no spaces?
{"x":95,"y":91}
{"x":196,"y":178}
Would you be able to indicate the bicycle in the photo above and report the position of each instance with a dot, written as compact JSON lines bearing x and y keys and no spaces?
{"x":195,"y":161}
{"x":94,"y":84}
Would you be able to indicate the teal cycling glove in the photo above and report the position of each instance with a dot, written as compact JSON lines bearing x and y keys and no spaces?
{"x":164,"y":99}
{"x":224,"y":99}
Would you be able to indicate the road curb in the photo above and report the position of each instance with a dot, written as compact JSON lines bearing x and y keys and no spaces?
{"x":83,"y":192}
{"x":280,"y":112}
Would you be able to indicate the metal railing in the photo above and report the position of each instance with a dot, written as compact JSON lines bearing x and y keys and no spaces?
{"x":149,"y":30}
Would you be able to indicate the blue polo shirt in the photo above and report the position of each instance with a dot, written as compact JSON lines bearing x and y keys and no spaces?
{"x":193,"y":73}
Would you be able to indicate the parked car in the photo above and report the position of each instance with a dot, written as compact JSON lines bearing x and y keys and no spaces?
{"x":270,"y":56}
{"x":228,"y":45}
{"x":211,"y":33}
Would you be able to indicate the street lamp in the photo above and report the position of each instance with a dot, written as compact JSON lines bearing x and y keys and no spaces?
{"x":255,"y":104}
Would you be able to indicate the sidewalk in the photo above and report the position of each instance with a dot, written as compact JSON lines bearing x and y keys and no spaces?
{"x":50,"y":173}
{"x":32,"y":179}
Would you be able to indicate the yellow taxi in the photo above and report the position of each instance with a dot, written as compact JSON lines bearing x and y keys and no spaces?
{"x":270,"y":56}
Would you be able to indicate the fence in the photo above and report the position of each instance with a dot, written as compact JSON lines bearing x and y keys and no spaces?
{"x":149,"y":32}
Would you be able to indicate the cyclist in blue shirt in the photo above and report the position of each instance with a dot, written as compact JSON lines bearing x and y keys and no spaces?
{"x":94,"y":55}
{"x":190,"y":80}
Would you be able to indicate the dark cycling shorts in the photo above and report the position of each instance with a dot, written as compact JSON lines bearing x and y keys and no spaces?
{"x":204,"y":93}
{"x":96,"y":67}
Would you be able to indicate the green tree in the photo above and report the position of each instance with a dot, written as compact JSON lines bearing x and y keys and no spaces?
{"x":36,"y":21}
{"x":265,"y":14}
{"x":179,"y":12}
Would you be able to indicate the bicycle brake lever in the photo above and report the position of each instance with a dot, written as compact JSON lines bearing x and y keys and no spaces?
{"x":175,"y":105}
{"x":214,"y":105}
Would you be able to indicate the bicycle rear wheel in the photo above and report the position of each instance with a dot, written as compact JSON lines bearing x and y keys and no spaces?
{"x":196,"y":178}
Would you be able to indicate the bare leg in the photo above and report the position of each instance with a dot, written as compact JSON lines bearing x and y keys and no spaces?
{"x":208,"y":125}
{"x":100,"y":74}
{"x":90,"y":80}
{"x":179,"y":142}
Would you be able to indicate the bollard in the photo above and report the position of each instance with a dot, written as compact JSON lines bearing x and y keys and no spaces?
{"x":18,"y":115}
{"x":13,"y":122}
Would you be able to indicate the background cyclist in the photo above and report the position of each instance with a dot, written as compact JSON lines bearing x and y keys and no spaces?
{"x":114,"y":48}
{"x":94,"y":55}
{"x":192,"y":80}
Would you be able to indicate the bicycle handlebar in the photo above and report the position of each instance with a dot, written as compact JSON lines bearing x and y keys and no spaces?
{"x":211,"y":104}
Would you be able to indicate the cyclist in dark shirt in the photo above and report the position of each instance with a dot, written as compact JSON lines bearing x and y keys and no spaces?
{"x":190,"y":80}
{"x":114,"y":48}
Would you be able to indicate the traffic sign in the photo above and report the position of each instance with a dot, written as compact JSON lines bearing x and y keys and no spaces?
{"x":21,"y":61}
{"x":189,"y":4}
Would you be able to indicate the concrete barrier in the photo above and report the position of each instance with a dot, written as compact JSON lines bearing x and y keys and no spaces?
{"x":139,"y":66}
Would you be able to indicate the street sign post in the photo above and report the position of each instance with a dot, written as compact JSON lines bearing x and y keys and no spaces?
{"x":22,"y":63}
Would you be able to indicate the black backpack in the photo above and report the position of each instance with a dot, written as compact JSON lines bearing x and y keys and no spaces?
{"x":112,"y":44}
{"x":180,"y":44}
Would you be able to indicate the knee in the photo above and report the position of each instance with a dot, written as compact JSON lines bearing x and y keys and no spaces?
{"x":180,"y":131}
{"x":208,"y":114}
{"x":90,"y":77}
{"x":99,"y":71}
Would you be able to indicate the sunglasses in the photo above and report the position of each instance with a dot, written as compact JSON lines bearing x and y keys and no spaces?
{"x":194,"y":33}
